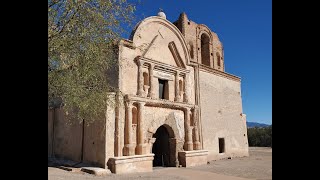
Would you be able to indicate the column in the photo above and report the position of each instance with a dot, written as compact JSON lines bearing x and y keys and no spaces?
{"x":128,"y":145}
{"x":142,"y":146}
{"x":177,"y":91}
{"x":186,"y":88}
{"x":196,"y":142}
{"x":151,"y":90}
{"x":188,"y":130}
{"x":140,"y":76}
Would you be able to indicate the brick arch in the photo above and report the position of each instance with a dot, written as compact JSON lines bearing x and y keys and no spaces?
{"x":201,"y":28}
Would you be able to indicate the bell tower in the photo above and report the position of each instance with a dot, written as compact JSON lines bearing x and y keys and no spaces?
{"x":203,"y":45}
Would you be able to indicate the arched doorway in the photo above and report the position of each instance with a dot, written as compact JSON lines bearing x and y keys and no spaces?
{"x":163,"y":148}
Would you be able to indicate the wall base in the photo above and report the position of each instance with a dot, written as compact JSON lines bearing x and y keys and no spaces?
{"x":130,"y":164}
{"x":193,"y":158}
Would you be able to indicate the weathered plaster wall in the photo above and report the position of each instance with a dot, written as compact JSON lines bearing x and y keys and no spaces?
{"x":94,"y":149}
{"x":128,"y":70}
{"x":67,"y":137}
{"x":70,"y":140}
{"x":110,"y":136}
{"x":50,"y":131}
{"x":221,"y":109}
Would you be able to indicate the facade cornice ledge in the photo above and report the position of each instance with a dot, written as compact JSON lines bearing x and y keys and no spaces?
{"x":163,"y":65}
{"x":127,"y":43}
{"x":159,"y":102}
{"x":219,"y":73}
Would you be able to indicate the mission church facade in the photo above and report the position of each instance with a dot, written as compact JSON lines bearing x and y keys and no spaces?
{"x":176,"y":106}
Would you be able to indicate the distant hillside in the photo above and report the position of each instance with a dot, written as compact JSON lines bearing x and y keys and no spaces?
{"x":255,"y":124}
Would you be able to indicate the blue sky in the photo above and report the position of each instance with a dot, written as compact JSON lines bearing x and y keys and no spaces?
{"x":245,"y":29}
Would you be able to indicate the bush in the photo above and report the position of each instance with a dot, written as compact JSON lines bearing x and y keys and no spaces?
{"x":260,"y":136}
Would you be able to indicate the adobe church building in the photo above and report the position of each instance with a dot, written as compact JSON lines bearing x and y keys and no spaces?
{"x":176,"y":106}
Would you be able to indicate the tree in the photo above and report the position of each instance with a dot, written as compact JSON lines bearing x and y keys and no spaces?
{"x":81,"y":48}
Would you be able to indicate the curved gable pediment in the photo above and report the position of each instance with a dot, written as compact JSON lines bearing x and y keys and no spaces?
{"x":160,"y":40}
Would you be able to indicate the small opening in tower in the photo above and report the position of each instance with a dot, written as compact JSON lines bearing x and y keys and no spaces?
{"x":218,"y":59}
{"x":188,"y":22}
{"x":191,"y":50}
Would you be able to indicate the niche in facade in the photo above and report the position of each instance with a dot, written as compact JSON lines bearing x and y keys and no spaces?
{"x":146,"y":84}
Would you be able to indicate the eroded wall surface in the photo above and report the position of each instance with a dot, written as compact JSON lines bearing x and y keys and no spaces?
{"x":221,"y":116}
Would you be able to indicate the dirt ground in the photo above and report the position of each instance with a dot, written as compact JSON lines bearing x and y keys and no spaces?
{"x":257,"y":166}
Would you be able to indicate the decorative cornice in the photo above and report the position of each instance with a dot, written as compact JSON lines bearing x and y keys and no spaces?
{"x":176,"y":55}
{"x":127,"y":43}
{"x":159,"y":102}
{"x":164,"y":67}
{"x":219,"y":73}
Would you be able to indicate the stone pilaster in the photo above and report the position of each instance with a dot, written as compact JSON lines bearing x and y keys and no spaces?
{"x":196,"y":142}
{"x":140,"y":76}
{"x":142,"y":146}
{"x":177,"y":91}
{"x":128,"y":144}
{"x":188,"y":130}
{"x":151,"y":90}
{"x":186,"y":88}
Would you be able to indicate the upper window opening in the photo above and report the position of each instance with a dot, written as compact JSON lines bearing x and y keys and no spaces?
{"x":205,"y":49}
{"x":163,"y":89}
{"x":218,"y":59}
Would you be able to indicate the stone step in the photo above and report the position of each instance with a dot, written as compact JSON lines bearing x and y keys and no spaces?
{"x":96,"y":171}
